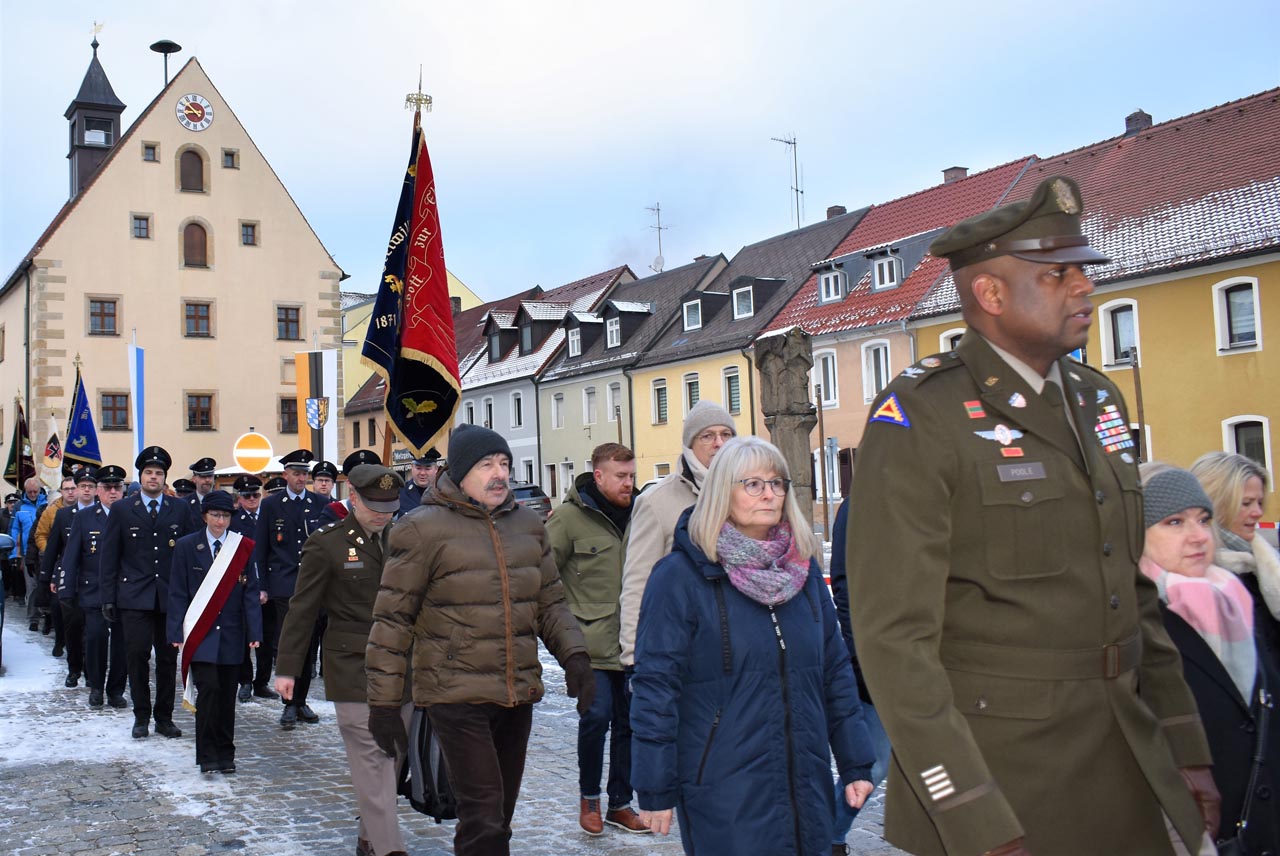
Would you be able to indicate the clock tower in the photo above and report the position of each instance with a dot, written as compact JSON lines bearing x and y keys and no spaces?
{"x":94,"y":116}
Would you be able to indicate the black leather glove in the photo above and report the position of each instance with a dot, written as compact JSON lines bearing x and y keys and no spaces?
{"x":109,"y":613}
{"x":580,"y":681}
{"x":388,"y":732}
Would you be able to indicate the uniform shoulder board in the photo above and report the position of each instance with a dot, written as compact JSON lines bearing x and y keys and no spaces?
{"x":928,"y":366}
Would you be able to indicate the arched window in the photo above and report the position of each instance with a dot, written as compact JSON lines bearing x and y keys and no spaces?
{"x":195,"y":246}
{"x":191,"y":170}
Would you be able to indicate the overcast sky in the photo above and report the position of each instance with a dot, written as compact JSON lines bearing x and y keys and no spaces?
{"x":557,"y":123}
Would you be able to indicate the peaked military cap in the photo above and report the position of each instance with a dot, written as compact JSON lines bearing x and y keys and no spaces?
{"x":300,"y":458}
{"x":111,"y":474}
{"x":204,"y":467}
{"x":430,"y":459}
{"x":13,"y":497}
{"x":153,"y":456}
{"x":325,"y":468}
{"x":355,"y":459}
{"x":184,"y":487}
{"x":1043,"y":229}
{"x":378,"y":486}
{"x":247,"y":485}
{"x":85,"y":474}
{"x":275,"y":483}
{"x":217,"y":500}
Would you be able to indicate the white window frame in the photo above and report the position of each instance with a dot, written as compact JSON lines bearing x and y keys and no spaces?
{"x":819,"y":458}
{"x":575,"y":342}
{"x":661,"y":470}
{"x":557,"y":410}
{"x":697,"y":306}
{"x":1105,"y":311}
{"x":552,"y":482}
{"x":470,"y":410}
{"x":944,"y":338}
{"x":1222,"y":319}
{"x":686,"y":381}
{"x":1229,"y":440}
{"x":589,"y":394}
{"x":486,"y":408}
{"x":751,"y":302}
{"x":526,"y":469}
{"x":566,"y":476}
{"x":517,"y":410}
{"x":725,"y":374}
{"x":830,"y":397}
{"x":612,"y":332}
{"x":656,"y":384}
{"x":869,"y":391}
{"x":882,"y":266}
{"x":613,"y":401}
{"x":831,"y":286}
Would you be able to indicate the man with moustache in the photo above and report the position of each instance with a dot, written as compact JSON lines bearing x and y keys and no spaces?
{"x":202,"y":476}
{"x":245,"y":522}
{"x":340,"y":572}
{"x":470,"y":586}
{"x":586,"y":541}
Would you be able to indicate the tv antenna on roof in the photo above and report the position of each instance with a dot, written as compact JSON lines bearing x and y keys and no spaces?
{"x":658,"y":262}
{"x":797,"y":184}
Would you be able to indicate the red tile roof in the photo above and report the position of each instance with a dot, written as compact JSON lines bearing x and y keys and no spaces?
{"x":888,"y":223}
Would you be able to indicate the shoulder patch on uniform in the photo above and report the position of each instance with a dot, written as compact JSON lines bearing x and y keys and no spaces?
{"x":930,"y":365}
{"x":890,"y":410}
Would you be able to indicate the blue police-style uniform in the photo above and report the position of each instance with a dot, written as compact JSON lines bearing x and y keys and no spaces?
{"x":80,"y":579}
{"x":411,"y":497}
{"x":245,"y":523}
{"x":73,"y":623}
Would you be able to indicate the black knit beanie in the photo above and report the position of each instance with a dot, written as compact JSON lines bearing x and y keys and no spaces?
{"x":468,"y":444}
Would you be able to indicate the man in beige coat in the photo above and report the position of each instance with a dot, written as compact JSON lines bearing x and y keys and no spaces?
{"x":707,"y":427}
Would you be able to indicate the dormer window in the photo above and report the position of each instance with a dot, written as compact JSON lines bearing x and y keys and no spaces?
{"x":830,"y":286}
{"x":575,"y":342}
{"x":526,"y":338}
{"x":495,"y":348}
{"x":743,"y":303}
{"x":693,"y":315}
{"x":97,"y":132}
{"x":613,"y":332}
{"x":887,"y":273}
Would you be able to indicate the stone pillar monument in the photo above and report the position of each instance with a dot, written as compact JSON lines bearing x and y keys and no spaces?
{"x":784,"y":361}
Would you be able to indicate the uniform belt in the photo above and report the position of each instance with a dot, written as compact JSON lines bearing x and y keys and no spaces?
{"x":350,"y":626}
{"x":1109,"y":661}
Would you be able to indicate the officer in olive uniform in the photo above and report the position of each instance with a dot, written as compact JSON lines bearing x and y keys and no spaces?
{"x":423,"y":474}
{"x":339,"y":509}
{"x":285,"y":521}
{"x":137,"y":556}
{"x":340,"y":573}
{"x":80,"y":582}
{"x":1017,"y":657}
{"x":245,"y":522}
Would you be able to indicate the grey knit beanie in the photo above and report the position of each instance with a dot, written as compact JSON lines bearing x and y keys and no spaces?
{"x":702,"y":416}
{"x":468,"y":444}
{"x":1171,"y":491}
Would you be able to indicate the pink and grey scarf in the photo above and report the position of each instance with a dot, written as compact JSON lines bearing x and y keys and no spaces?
{"x":770,"y":572}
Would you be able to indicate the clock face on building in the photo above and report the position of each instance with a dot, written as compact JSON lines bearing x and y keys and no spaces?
{"x":194,"y":112}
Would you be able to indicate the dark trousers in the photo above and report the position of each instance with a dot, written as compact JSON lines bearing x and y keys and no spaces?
{"x":301,"y":683}
{"x":216,"y":686}
{"x":484,"y":749}
{"x":104,"y":655}
{"x":610,"y":714}
{"x":144,"y":630}
{"x":73,"y":628}
{"x":262,"y":654}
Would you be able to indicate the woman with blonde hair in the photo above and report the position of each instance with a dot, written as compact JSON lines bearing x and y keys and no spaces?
{"x":743,"y":687}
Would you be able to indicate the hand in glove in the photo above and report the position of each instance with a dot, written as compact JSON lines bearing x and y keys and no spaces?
{"x":109,"y":612}
{"x":1200,"y":782}
{"x":388,"y":732}
{"x":580,"y":681}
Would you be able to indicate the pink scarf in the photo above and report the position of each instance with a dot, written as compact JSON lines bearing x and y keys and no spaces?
{"x":1219,"y":608}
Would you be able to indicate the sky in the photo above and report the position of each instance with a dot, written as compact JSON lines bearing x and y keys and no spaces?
{"x":557,"y":124}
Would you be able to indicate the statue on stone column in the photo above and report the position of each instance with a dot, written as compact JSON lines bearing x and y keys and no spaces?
{"x":784,"y":361}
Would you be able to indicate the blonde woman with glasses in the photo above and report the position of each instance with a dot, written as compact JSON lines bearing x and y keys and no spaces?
{"x":743,"y":687}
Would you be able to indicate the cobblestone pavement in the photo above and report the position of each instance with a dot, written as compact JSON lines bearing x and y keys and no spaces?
{"x":72,"y":781}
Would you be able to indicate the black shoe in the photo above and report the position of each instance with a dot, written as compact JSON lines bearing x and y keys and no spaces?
{"x":168,"y":729}
{"x":95,"y":698}
{"x":228,"y":768}
{"x":58,"y":652}
{"x":246,"y":693}
{"x":73,"y":680}
{"x":307,"y":715}
{"x":140,"y":730}
{"x":263,"y":692}
{"x":363,"y":848}
{"x":117,"y":701}
{"x":35,"y":626}
{"x":289,"y":719}
{"x":208,"y":769}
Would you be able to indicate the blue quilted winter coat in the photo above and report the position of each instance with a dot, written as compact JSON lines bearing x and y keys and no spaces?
{"x":731,"y":727}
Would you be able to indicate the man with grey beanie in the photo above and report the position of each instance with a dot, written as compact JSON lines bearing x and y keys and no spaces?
{"x":470,"y":585}
{"x":707,"y":427}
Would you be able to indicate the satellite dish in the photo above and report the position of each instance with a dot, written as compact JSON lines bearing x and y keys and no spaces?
{"x":657,"y":265}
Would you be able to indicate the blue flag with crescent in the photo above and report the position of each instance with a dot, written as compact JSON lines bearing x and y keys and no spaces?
{"x":82,"y":438}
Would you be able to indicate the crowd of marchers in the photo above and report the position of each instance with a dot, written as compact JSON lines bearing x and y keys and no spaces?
{"x":1058,"y":651}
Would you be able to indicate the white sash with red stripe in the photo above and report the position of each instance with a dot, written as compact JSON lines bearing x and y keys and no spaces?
{"x":212,"y":595}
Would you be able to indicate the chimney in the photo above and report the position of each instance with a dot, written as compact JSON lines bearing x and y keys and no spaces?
{"x":954,"y":173}
{"x":1136,"y":122}
{"x":699,"y":258}
{"x":836,"y":211}
{"x":455,"y":304}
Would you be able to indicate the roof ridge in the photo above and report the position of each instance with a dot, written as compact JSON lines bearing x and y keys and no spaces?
{"x":935,"y":187}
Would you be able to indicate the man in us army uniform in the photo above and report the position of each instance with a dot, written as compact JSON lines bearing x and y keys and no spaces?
{"x":137,"y":555}
{"x":285,"y":520}
{"x":245,"y":522}
{"x":340,"y":572}
{"x":1034,"y":703}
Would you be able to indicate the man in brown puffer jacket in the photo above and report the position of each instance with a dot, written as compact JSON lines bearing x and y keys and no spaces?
{"x":470,"y":584}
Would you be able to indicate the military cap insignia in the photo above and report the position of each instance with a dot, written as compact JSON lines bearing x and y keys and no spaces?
{"x":387,"y":482}
{"x":891,"y":411}
{"x":1065,"y":197}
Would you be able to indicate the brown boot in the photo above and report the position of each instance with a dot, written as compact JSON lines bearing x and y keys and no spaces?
{"x":628,"y":819}
{"x":589,"y":816}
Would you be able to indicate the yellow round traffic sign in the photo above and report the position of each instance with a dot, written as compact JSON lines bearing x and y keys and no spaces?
{"x":252,"y":452}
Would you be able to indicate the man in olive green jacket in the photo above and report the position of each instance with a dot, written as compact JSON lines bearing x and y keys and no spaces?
{"x":1017,"y":656}
{"x":586,"y":541}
